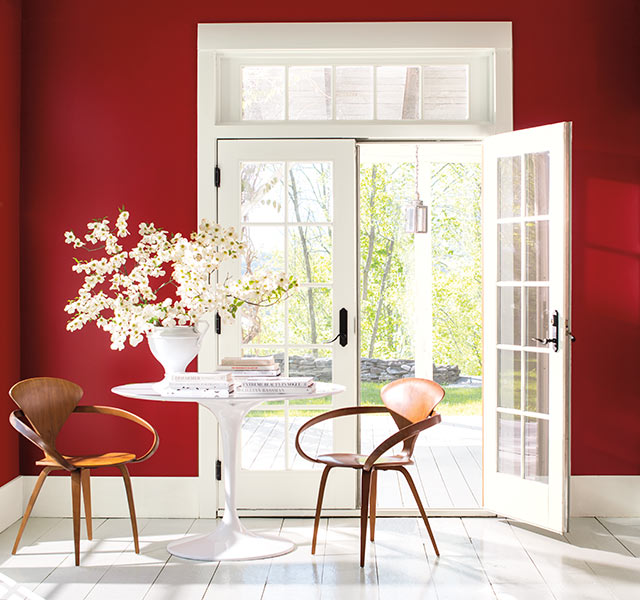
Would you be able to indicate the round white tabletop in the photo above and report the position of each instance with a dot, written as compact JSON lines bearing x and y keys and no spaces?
{"x":230,"y":540}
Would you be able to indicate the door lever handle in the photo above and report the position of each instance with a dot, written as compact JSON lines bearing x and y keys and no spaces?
{"x":555,"y":321}
{"x":545,"y":340}
{"x":343,"y":334}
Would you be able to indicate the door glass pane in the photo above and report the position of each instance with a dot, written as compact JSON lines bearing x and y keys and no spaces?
{"x":262,"y":93}
{"x":509,"y":254}
{"x":445,"y":92}
{"x":311,"y":362}
{"x":536,"y":449}
{"x":265,"y":249}
{"x":537,"y":382}
{"x":537,"y":315}
{"x":509,"y":444}
{"x":287,"y":214}
{"x":509,"y":315}
{"x":354,"y":93}
{"x":310,"y":93}
{"x":537,"y":183}
{"x":262,"y":185}
{"x":310,"y":315}
{"x":310,"y":254}
{"x":310,"y":192}
{"x":263,"y":325}
{"x":315,"y":441}
{"x":509,"y":191}
{"x":509,"y":379}
{"x":398,"y":92}
{"x":537,"y":251}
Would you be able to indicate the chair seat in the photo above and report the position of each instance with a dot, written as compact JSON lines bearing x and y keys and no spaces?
{"x":109,"y":459}
{"x":356,"y":461}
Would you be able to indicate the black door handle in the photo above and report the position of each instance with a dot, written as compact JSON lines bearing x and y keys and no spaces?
{"x":343,"y":334}
{"x":555,"y":324}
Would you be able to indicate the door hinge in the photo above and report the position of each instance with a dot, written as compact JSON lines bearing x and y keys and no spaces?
{"x":218,"y":470}
{"x":216,"y":176}
{"x":218,"y":323}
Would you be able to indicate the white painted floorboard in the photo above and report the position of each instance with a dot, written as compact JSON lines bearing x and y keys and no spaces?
{"x":481,"y":559}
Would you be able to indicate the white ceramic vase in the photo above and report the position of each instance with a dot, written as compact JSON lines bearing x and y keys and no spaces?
{"x":175,"y":347}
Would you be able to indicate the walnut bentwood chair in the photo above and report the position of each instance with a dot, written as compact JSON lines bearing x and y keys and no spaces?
{"x":45,"y":405}
{"x":411,"y":403}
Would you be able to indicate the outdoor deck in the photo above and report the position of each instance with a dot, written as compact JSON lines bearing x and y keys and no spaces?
{"x":448,"y":469}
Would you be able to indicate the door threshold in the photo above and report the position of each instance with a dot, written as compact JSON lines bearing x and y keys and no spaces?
{"x":354,"y":512}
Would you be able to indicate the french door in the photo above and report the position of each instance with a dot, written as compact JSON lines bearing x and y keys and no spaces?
{"x":295,"y":203}
{"x":526,"y":241}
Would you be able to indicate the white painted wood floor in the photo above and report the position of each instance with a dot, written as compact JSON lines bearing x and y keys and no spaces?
{"x":481,"y":558}
{"x":448,"y":458}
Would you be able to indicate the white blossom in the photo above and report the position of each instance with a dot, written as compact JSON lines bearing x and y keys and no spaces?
{"x":123,"y":293}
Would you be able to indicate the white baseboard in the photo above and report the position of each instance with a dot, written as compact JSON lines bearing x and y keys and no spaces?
{"x":165,"y":497}
{"x":605,"y":496}
{"x":591,"y":496}
{"x":11,"y":502}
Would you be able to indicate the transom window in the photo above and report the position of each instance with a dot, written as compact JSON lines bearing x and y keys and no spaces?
{"x":422,"y":86}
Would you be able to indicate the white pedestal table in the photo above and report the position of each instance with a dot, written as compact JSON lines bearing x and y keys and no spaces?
{"x":230,"y":540}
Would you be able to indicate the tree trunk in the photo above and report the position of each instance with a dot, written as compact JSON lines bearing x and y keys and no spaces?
{"x":411,"y":92}
{"x":387,"y":268}
{"x":307,"y":260}
{"x":372,"y":236}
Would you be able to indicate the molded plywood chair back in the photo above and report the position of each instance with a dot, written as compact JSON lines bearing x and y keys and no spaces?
{"x":45,"y":405}
{"x":411,"y":402}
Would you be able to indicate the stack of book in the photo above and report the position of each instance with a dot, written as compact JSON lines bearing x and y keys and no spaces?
{"x":250,"y":366}
{"x":293,"y":386}
{"x":199,"y":385}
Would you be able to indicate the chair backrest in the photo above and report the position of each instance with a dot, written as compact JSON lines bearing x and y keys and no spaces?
{"x":409,"y":401}
{"x":47,"y":403}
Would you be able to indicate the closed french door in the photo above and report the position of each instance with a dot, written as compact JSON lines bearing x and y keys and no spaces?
{"x":295,"y":203}
{"x":526,"y":241}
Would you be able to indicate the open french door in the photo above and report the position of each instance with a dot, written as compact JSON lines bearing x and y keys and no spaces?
{"x":526,"y":246}
{"x":294,"y":201}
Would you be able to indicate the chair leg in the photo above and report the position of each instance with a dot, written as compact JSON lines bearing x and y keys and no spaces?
{"x":372,"y":503}
{"x":32,"y":501}
{"x":316,"y":522}
{"x":364,"y":501}
{"x":75,"y":499}
{"x":132,"y":508}
{"x":85,"y":478}
{"x":414,"y":491}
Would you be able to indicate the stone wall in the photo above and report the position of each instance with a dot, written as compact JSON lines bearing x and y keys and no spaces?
{"x":371,"y":369}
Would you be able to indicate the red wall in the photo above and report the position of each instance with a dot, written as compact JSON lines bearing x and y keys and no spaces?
{"x":9,"y":201}
{"x":109,"y":118}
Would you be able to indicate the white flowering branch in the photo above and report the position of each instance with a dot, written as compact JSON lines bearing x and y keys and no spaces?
{"x":118,"y":292}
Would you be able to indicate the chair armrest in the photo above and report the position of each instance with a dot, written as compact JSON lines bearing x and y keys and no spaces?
{"x":17,"y":420}
{"x":125,"y":414}
{"x":400,"y":436}
{"x":334,"y":414}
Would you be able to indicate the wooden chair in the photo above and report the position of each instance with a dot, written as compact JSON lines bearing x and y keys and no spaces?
{"x":45,"y":405}
{"x":411,"y":403}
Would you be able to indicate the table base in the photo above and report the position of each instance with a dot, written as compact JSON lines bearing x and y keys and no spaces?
{"x":230,"y":543}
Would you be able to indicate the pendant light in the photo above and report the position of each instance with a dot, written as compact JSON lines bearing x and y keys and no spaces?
{"x":416,"y":213}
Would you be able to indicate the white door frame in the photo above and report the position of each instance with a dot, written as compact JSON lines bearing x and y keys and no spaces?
{"x":213,"y":38}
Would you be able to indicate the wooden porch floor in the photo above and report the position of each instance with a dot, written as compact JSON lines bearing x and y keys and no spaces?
{"x":448,"y":469}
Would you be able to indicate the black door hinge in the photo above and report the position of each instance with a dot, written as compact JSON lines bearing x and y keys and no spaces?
{"x":218,"y":323}
{"x":216,"y":176}
{"x":218,"y":470}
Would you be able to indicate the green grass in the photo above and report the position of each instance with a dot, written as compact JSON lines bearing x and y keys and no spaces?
{"x":457,"y":401}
